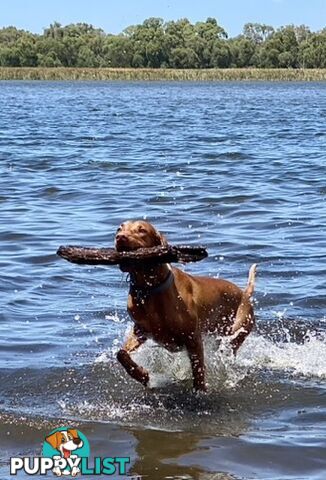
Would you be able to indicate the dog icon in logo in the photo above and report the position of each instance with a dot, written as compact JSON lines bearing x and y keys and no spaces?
{"x":65,"y":442}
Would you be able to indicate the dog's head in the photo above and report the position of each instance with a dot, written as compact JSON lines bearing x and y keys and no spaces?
{"x":65,"y":441}
{"x":136,"y":234}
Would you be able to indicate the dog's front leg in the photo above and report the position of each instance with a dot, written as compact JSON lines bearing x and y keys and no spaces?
{"x":194,"y":345}
{"x":133,"y":342}
{"x":57,"y":470}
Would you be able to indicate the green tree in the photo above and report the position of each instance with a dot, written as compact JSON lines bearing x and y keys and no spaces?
{"x":154,"y":43}
{"x":9,"y":57}
{"x":220,"y":54}
{"x":10,"y":35}
{"x":49,"y":59}
{"x":49,"y":51}
{"x":281,"y":49}
{"x":55,"y":31}
{"x":257,"y":32}
{"x":183,"y":57}
{"x":302,"y":33}
{"x":86,"y":57}
{"x":148,"y":43}
{"x":117,"y":52}
{"x":243,"y":52}
{"x":210,"y":41}
{"x":313,"y":51}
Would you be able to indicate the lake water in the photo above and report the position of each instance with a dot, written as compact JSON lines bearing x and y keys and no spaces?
{"x":238,"y":167}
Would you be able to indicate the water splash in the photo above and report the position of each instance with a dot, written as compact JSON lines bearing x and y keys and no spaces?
{"x":257,"y":378}
{"x":306,"y":359}
{"x":224,"y":370}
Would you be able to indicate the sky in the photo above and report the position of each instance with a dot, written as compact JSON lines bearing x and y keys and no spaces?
{"x":114,"y":15}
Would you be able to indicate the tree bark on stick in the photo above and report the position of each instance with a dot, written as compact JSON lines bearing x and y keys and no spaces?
{"x":139,"y":257}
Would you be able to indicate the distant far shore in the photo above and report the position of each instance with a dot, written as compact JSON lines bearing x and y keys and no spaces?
{"x":161,"y":74}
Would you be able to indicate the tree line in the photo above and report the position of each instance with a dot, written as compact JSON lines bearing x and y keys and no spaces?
{"x":159,"y":44}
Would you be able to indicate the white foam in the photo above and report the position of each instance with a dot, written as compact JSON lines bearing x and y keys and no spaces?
{"x":103,"y":357}
{"x":164,"y":366}
{"x":223,"y":369}
{"x":307,"y":359}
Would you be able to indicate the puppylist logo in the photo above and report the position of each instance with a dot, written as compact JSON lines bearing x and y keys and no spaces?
{"x":66,"y":452}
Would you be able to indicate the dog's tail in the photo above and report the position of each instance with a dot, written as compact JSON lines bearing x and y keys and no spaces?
{"x":249,"y":290}
{"x":245,"y":318}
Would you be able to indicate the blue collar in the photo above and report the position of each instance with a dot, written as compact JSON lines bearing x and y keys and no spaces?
{"x":145,"y":292}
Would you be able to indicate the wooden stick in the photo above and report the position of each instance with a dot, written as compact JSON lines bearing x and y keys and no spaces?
{"x":141,"y":256}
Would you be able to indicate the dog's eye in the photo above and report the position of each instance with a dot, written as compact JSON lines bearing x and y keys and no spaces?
{"x":119,"y":229}
{"x":142,"y":229}
{"x":63,"y":440}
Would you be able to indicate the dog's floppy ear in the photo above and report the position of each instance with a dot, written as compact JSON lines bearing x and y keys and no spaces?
{"x":163,"y":239}
{"x":159,"y":238}
{"x":73,"y":432}
{"x":54,"y":440}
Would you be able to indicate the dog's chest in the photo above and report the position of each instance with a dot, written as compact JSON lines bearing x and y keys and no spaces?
{"x":156,"y":321}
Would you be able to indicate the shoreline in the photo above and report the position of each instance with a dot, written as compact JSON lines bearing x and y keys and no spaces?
{"x":160,"y":74}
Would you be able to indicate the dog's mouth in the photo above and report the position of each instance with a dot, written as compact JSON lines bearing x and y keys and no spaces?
{"x":123,"y":246}
{"x":66,"y":453}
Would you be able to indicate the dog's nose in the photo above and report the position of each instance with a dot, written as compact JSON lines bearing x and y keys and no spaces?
{"x":121,"y":237}
{"x":76,"y":441}
{"x":121,"y":240}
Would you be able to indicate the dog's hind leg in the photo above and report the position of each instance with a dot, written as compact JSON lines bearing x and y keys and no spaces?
{"x":245,"y":318}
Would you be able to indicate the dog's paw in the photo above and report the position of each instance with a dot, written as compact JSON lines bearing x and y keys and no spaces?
{"x":200,"y":389}
{"x":75,"y":471}
{"x":144,"y":377}
{"x":57,"y":471}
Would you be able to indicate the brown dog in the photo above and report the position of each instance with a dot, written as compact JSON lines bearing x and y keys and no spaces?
{"x":176,"y":309}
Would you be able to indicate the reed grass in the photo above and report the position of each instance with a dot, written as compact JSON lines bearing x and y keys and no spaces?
{"x":160,"y":74}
